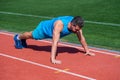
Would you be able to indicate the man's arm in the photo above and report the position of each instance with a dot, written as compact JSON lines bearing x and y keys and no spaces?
{"x":58,"y":26}
{"x":83,"y":42}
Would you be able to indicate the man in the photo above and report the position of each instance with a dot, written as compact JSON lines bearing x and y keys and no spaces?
{"x":55,"y":29}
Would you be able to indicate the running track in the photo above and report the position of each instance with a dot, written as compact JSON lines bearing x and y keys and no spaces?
{"x":33,"y":63}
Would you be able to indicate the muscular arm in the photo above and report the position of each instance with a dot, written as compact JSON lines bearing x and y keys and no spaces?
{"x":58,"y":26}
{"x":83,"y":42}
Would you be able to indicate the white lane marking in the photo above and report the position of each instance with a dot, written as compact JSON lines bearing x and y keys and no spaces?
{"x":47,"y":17}
{"x":29,"y":15}
{"x":48,"y":67}
{"x":103,"y":23}
{"x":78,"y":47}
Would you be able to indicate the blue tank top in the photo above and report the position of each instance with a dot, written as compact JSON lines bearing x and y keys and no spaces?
{"x":48,"y":26}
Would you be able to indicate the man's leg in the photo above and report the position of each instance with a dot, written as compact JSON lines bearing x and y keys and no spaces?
{"x":20,"y":40}
{"x":26,"y":35}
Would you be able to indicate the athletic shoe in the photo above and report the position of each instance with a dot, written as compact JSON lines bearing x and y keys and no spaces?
{"x":18,"y":43}
{"x":24,"y":44}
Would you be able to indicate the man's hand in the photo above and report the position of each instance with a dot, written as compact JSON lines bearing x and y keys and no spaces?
{"x":56,"y":61}
{"x":90,"y":54}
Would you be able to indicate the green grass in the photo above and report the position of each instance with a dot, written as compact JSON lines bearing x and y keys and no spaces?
{"x":99,"y":36}
{"x":94,"y":10}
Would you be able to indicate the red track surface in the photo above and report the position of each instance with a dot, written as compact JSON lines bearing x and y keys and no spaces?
{"x":25,"y":64}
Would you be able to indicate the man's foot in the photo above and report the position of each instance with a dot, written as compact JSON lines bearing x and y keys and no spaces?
{"x":24,"y":44}
{"x":18,"y":43}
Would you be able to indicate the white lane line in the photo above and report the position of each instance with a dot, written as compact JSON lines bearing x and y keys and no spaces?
{"x":78,"y":47}
{"x":102,"y":23}
{"x":48,"y":67}
{"x":47,"y":17}
{"x":29,"y":15}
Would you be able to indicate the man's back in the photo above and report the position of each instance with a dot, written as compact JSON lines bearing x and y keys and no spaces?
{"x":48,"y":26}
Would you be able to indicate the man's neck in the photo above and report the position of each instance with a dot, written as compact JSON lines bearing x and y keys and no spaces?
{"x":69,"y":26}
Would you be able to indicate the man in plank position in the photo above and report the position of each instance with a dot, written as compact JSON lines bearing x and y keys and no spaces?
{"x":55,"y":29}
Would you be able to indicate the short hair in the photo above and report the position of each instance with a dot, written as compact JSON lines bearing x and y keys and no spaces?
{"x":78,"y":20}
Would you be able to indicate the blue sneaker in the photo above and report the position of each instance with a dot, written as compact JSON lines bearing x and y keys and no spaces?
{"x":18,"y":43}
{"x":24,"y":44}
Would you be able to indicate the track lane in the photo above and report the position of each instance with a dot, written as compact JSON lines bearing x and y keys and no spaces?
{"x":101,"y":64}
